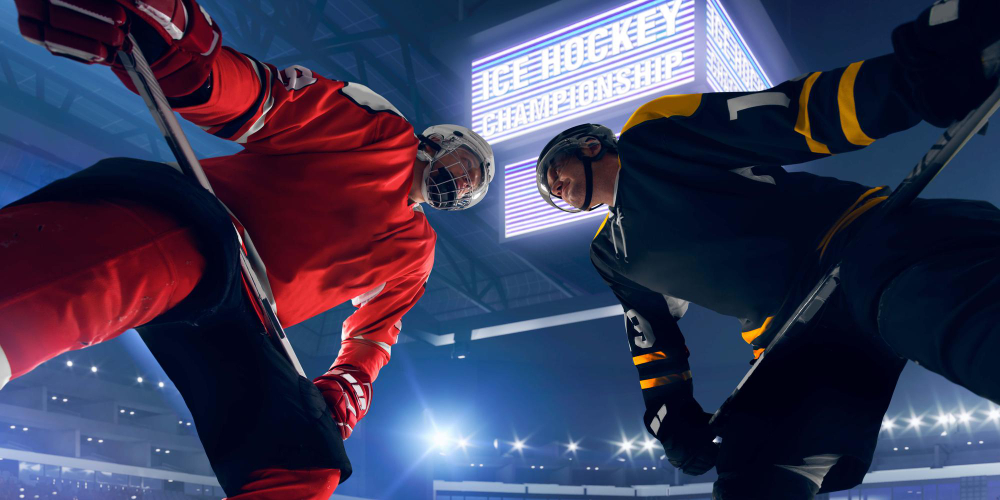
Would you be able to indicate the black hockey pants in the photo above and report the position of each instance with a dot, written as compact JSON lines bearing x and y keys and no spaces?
{"x":929,"y":284}
{"x":923,"y":286}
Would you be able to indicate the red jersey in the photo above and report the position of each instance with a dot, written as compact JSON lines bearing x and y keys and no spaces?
{"x":322,"y":186}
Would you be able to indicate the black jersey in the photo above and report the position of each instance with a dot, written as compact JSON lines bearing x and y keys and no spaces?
{"x":703,"y":211}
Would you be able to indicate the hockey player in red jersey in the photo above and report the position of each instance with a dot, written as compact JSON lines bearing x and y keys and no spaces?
{"x":329,"y":185}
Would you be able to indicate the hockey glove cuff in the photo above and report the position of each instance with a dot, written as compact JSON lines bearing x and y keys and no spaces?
{"x":348,"y":393}
{"x":947,"y":59}
{"x":682,"y":428}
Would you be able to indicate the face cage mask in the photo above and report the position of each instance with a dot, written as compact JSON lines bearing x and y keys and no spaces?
{"x":588,"y":171}
{"x":441,"y":187}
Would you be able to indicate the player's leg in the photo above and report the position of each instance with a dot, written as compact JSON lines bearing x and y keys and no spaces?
{"x":78,"y":273}
{"x":944,"y":313}
{"x":770,"y":482}
{"x":307,"y":484}
{"x":927,"y":283}
{"x":809,"y":418}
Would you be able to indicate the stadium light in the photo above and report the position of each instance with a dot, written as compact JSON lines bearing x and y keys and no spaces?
{"x":915,"y":422}
{"x":93,"y":369}
{"x":69,"y":364}
{"x":138,"y":379}
{"x":964,"y":417}
{"x":625,"y":445}
{"x":463,"y":443}
{"x":440,"y":440}
{"x":993,"y":414}
{"x":518,"y":444}
{"x":161,"y":384}
{"x":648,"y":444}
{"x":572,"y":446}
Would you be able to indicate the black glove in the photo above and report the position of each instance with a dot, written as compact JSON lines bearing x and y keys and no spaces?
{"x":682,"y":428}
{"x":943,"y":58}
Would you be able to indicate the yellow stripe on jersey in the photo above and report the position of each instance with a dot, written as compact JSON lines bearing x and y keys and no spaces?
{"x":847,"y":220}
{"x":664,"y":380}
{"x":664,"y":107}
{"x":848,"y":111}
{"x":647,"y":358}
{"x":840,"y":222}
{"x":749,"y":336}
{"x":598,"y":233}
{"x":802,"y":124}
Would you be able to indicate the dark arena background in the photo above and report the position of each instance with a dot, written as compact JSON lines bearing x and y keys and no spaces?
{"x":511,"y":378}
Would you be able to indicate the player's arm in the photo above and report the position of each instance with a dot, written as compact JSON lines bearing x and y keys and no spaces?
{"x":272,"y":111}
{"x":368,"y":337}
{"x":810,"y":117}
{"x":944,"y":64}
{"x":660,"y":356}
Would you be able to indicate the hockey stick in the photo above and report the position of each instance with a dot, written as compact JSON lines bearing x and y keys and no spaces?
{"x":251,"y":266}
{"x":940,"y":154}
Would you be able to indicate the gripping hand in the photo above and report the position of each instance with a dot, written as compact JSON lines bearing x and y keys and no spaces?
{"x":177,"y":36}
{"x":682,"y":428}
{"x":348,"y":393}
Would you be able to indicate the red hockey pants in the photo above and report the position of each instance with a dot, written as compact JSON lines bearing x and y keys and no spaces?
{"x":74,"y":274}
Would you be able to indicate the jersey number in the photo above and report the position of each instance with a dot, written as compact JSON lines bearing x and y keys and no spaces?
{"x":298,"y":77}
{"x":646,"y":339}
{"x":748,"y":101}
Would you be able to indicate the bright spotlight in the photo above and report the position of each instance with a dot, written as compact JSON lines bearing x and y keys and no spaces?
{"x":93,"y":369}
{"x":915,"y":422}
{"x":440,"y":440}
{"x":69,"y":363}
{"x":888,"y":424}
{"x":625,"y":445}
{"x":161,"y":384}
{"x":518,"y":444}
{"x":138,"y":379}
{"x":463,"y":443}
{"x":964,"y":417}
{"x":648,"y":444}
{"x":572,"y":446}
{"x":65,"y":400}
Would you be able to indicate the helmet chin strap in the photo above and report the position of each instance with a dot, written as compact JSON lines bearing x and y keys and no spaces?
{"x":588,"y":172}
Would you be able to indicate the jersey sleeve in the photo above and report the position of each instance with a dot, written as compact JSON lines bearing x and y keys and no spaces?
{"x":370,"y":333}
{"x":292,"y":110}
{"x":809,"y":117}
{"x":657,"y":345}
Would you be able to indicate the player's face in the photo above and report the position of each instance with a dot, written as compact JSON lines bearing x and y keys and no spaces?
{"x":464,"y":167}
{"x":568,"y":181}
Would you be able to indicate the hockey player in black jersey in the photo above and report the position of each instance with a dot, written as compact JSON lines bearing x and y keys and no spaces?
{"x":702,"y":211}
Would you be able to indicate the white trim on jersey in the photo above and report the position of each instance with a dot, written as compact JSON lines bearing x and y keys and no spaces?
{"x":5,"y":372}
{"x":268,"y":102}
{"x":367,"y":97}
{"x":366,"y":297}
{"x":677,"y":307}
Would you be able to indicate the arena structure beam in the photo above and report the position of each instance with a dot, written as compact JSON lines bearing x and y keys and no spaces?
{"x":52,"y":98}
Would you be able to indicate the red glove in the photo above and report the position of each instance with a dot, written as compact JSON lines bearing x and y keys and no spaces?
{"x":179,"y":33}
{"x":348,"y":392}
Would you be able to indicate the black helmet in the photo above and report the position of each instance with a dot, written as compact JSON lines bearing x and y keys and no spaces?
{"x":571,"y":142}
